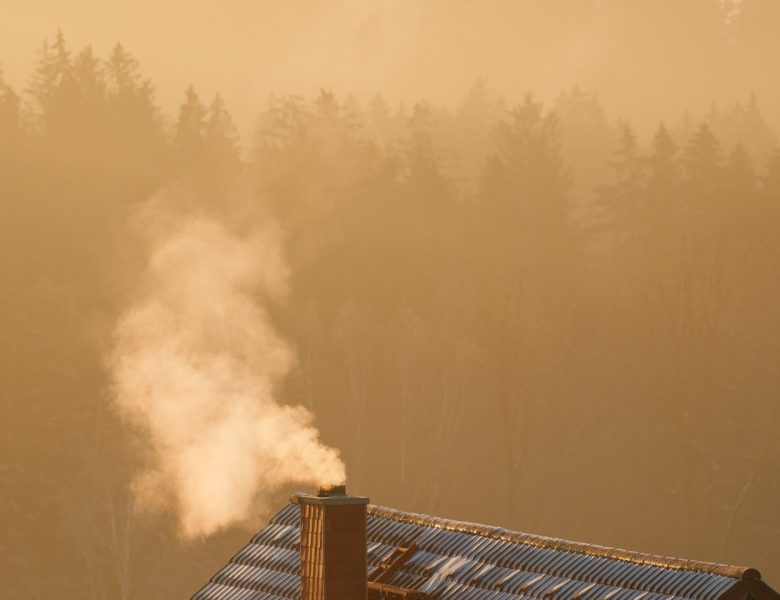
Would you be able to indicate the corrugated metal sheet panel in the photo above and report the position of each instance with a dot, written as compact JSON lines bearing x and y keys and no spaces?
{"x":465,"y":561}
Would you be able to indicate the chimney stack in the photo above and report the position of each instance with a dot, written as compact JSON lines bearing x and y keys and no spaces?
{"x":333,"y":545}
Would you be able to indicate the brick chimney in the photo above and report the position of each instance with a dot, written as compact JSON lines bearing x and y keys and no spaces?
{"x":333,"y":545}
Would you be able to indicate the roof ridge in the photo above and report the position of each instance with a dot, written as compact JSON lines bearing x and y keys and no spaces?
{"x":666,"y":562}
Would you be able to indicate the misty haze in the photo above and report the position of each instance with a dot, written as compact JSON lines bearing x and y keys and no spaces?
{"x":505,"y":262}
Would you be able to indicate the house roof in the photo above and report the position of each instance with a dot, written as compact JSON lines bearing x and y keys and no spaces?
{"x":465,"y":561}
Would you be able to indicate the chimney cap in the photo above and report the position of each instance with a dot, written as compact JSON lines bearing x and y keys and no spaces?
{"x":326,"y":491}
{"x":329,"y":495}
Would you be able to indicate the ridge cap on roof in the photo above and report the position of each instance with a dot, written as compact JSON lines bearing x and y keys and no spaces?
{"x":666,"y":562}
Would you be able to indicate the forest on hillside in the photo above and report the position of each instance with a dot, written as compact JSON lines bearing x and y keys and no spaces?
{"x":504,"y":311}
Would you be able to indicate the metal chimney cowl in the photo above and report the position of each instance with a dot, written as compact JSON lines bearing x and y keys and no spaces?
{"x":333,"y":545}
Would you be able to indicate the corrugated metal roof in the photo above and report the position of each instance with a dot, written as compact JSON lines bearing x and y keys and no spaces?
{"x":465,"y":561}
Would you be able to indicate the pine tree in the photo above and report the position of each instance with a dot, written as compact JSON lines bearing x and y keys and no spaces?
{"x":617,"y":203}
{"x":528,"y":158}
{"x":419,"y":156}
{"x":770,"y":205}
{"x":327,"y":105}
{"x":91,"y":113}
{"x":221,"y":138}
{"x":131,"y":100}
{"x":523,"y":256}
{"x":51,"y":75}
{"x":740,"y":211}
{"x":771,"y":182}
{"x":664,"y":174}
{"x":740,"y":178}
{"x":469,"y":133}
{"x":477,"y":103}
{"x":134,"y":118}
{"x":379,"y":123}
{"x":55,"y":97}
{"x":743,"y":124}
{"x":220,"y":164}
{"x":658,"y":214}
{"x":524,"y":224}
{"x":190,"y":133}
{"x":427,"y":193}
{"x":10,"y":122}
{"x":11,"y":159}
{"x":705,"y":204}
{"x":284,"y":124}
{"x":703,"y":162}
{"x":587,"y":141}
{"x":334,"y":124}
{"x":90,"y":77}
{"x":123,"y":73}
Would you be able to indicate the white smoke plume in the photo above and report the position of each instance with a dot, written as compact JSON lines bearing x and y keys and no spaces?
{"x":195,"y":365}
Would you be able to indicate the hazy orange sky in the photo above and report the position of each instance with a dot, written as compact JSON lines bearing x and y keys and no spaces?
{"x":407,"y":49}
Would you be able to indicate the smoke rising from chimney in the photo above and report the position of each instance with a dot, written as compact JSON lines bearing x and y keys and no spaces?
{"x":195,"y":366}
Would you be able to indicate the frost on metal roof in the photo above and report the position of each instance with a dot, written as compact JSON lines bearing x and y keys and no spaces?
{"x":465,"y":561}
